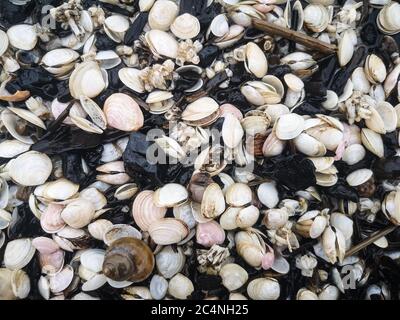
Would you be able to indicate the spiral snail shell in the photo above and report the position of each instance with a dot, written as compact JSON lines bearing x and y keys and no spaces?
{"x":128,"y":259}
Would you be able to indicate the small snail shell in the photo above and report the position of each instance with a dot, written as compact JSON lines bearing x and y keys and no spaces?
{"x":128,"y":259}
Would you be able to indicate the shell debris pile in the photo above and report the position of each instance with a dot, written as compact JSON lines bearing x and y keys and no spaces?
{"x":168,"y":149}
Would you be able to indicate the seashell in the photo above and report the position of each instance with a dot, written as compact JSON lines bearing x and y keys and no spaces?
{"x":375,"y":69}
{"x":128,"y":259}
{"x":93,"y":259}
{"x":360,"y":81}
{"x":144,"y":210}
{"x":60,"y":281}
{"x":170,"y":195}
{"x":5,"y":219}
{"x":4,"y":42}
{"x":158,"y":287}
{"x":372,"y":141}
{"x":10,"y":121}
{"x":333,"y":243}
{"x":353,"y":154}
{"x":45,"y":245}
{"x":86,"y":80}
{"x":273,"y":146}
{"x":268,"y":194}
{"x":30,"y":169}
{"x":237,"y":296}
{"x":162,"y":44}
{"x":238,"y":194}
{"x":309,"y":145}
{"x":332,"y":100}
{"x":343,"y":223}
{"x":162,"y":15}
{"x":126,"y":191}
{"x":18,"y":253}
{"x":185,"y":26}
{"x":184,"y":212}
{"x":311,"y":224}
{"x":386,"y":19}
{"x":233,"y":276}
{"x":247,"y":217}
{"x":358,"y":177}
{"x":11,"y":148}
{"x":94,"y":111}
{"x":60,"y":189}
{"x":345,"y":47}
{"x":94,"y":283}
{"x":28,"y":116}
{"x":22,"y":36}
{"x":255,"y":60}
{"x":263,"y":289}
{"x":123,"y":113}
{"x":289,"y":126}
{"x":388,"y":115}
{"x":180,"y":287}
{"x":20,"y":284}
{"x":219,"y":26}
{"x":93,"y":195}
{"x":78,"y":213}
{"x":168,"y":231}
{"x":232,"y":131}
{"x":50,"y":220}
{"x":209,"y":234}
{"x":60,"y":61}
{"x":275,"y":218}
{"x":304,"y":294}
{"x":118,"y":231}
{"x":98,"y":228}
{"x":316,"y":17}
{"x":170,"y":261}
{"x":213,"y":202}
{"x":131,"y":78}
{"x":298,"y":60}
{"x":201,"y":112}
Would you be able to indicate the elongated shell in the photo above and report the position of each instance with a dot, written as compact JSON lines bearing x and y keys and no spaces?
{"x":168,"y":231}
{"x":213,"y":203}
{"x":255,"y":61}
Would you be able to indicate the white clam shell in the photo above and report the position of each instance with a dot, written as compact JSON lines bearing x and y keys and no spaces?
{"x":180,"y":287}
{"x":162,"y":44}
{"x":170,"y":195}
{"x":31,"y":168}
{"x":162,"y":15}
{"x":289,"y":126}
{"x":168,"y":231}
{"x":358,"y":177}
{"x":268,"y":194}
{"x":18,"y":253}
{"x":353,"y":154}
{"x":263,"y":289}
{"x":12,"y":148}
{"x":158,"y":287}
{"x":233,"y":276}
{"x":22,"y":36}
{"x":186,"y":26}
{"x":78,"y":213}
{"x":170,"y":261}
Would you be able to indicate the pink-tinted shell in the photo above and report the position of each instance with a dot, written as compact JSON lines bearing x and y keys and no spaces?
{"x":53,"y":262}
{"x":51,"y":220}
{"x":45,"y":245}
{"x":209,"y":233}
{"x":144,"y":211}
{"x":230,"y":108}
{"x":268,"y":259}
{"x":123,"y":113}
